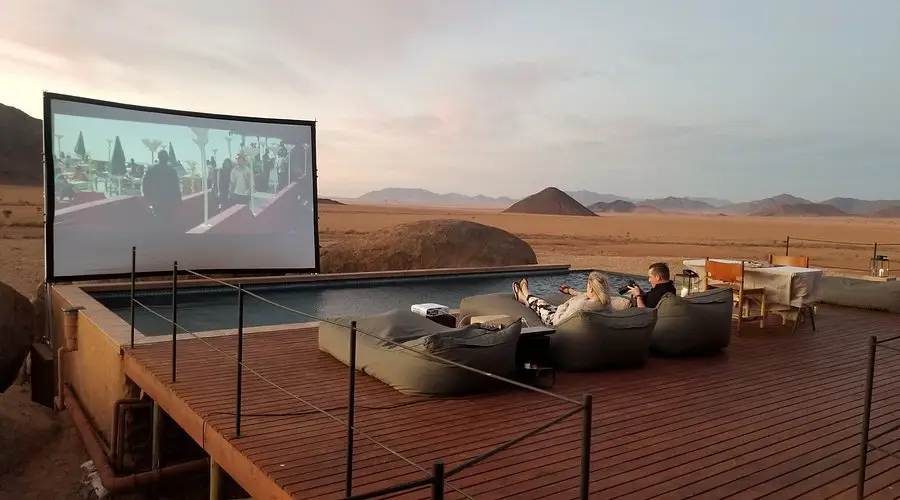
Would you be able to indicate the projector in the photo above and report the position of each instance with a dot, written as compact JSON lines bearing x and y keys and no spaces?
{"x":430,"y":310}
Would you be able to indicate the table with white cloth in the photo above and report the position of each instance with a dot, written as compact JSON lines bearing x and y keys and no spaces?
{"x":787,"y":286}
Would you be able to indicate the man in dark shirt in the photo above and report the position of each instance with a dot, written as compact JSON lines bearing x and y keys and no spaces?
{"x":161,"y":187}
{"x":658,"y":276}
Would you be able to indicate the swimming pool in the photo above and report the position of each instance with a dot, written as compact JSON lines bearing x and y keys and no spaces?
{"x":215,"y":308}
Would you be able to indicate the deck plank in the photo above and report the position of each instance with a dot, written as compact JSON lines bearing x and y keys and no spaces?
{"x":775,"y":416}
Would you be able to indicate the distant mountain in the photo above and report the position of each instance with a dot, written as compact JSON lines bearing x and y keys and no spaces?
{"x":856,"y":206}
{"x":716,"y":202}
{"x":623,"y":207}
{"x":21,"y":146}
{"x":888,"y":213}
{"x":617,"y":206}
{"x":754,"y":207}
{"x":328,"y":201}
{"x":414,"y":196}
{"x":674,"y":204}
{"x":801,"y":210}
{"x":588,"y":198}
{"x":550,"y":201}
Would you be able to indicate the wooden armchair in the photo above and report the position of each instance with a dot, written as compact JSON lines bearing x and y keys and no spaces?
{"x":789,"y":260}
{"x":731,"y":275}
{"x":806,"y":311}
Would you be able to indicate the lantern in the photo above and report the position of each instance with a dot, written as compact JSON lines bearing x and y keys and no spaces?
{"x":880,"y":266}
{"x":687,"y":277}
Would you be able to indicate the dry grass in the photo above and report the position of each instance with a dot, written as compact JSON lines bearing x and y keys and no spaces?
{"x":615,"y":242}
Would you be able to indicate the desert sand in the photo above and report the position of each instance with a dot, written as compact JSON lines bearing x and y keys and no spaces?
{"x":628,"y":242}
{"x":611,"y":241}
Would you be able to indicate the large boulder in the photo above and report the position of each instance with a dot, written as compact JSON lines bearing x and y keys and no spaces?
{"x":16,"y":333}
{"x":428,"y":244}
{"x":39,"y":304}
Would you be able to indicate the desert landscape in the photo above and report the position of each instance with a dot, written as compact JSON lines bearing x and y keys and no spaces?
{"x":611,"y":241}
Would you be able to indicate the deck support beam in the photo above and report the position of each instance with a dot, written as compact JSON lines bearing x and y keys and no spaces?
{"x":215,"y":480}
{"x":156,"y":436}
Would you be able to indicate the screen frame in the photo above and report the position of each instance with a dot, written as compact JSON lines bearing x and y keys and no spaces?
{"x":50,"y":189}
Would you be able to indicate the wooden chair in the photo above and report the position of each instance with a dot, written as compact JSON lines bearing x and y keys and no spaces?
{"x":731,"y":275}
{"x":805,"y":311}
{"x":789,"y":260}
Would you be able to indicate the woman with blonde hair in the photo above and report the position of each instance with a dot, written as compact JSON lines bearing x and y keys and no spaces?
{"x":597,"y":296}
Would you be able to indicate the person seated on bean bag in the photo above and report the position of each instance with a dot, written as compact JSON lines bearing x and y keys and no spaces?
{"x":598,"y":296}
{"x":617,"y":302}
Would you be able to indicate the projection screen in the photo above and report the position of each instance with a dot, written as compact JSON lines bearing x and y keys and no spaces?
{"x":212,"y":192}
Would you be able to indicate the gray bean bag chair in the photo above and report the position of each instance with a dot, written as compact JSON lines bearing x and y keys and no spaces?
{"x":697,"y":324}
{"x":590,"y":340}
{"x":410,"y":372}
{"x":861,"y":294}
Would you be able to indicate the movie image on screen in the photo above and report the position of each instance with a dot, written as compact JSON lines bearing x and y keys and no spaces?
{"x":207,"y":191}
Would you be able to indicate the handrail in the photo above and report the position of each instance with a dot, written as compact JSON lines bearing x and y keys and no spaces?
{"x":292,"y":395}
{"x":437,"y":477}
{"x":866,"y":444}
{"x":875,"y":246}
{"x":837,"y":242}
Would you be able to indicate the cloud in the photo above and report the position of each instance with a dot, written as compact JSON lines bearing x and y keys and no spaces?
{"x":456,"y":95}
{"x":175,"y":33}
{"x":286,"y":47}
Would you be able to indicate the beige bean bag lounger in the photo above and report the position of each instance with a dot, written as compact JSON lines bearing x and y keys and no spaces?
{"x":697,"y":324}
{"x":407,"y":368}
{"x":590,"y":340}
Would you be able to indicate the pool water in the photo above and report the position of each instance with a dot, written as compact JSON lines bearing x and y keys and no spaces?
{"x":215,"y":308}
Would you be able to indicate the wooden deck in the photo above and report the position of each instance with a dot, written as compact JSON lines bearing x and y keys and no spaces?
{"x":775,"y":416}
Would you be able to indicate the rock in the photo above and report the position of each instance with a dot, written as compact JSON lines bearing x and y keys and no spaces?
{"x":39,"y":304}
{"x":428,"y":244}
{"x":16,"y":333}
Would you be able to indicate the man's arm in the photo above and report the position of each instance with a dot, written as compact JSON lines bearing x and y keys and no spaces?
{"x":638,"y":295}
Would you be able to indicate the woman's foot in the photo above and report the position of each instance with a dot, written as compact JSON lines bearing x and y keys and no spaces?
{"x":517,"y":292}
{"x":523,"y":286}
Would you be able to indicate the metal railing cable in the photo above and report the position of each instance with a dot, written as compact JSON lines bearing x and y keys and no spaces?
{"x":438,"y":477}
{"x":877,"y":264}
{"x":392,"y":343}
{"x":836,"y":242}
{"x":294,"y":396}
{"x":580,"y":406}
